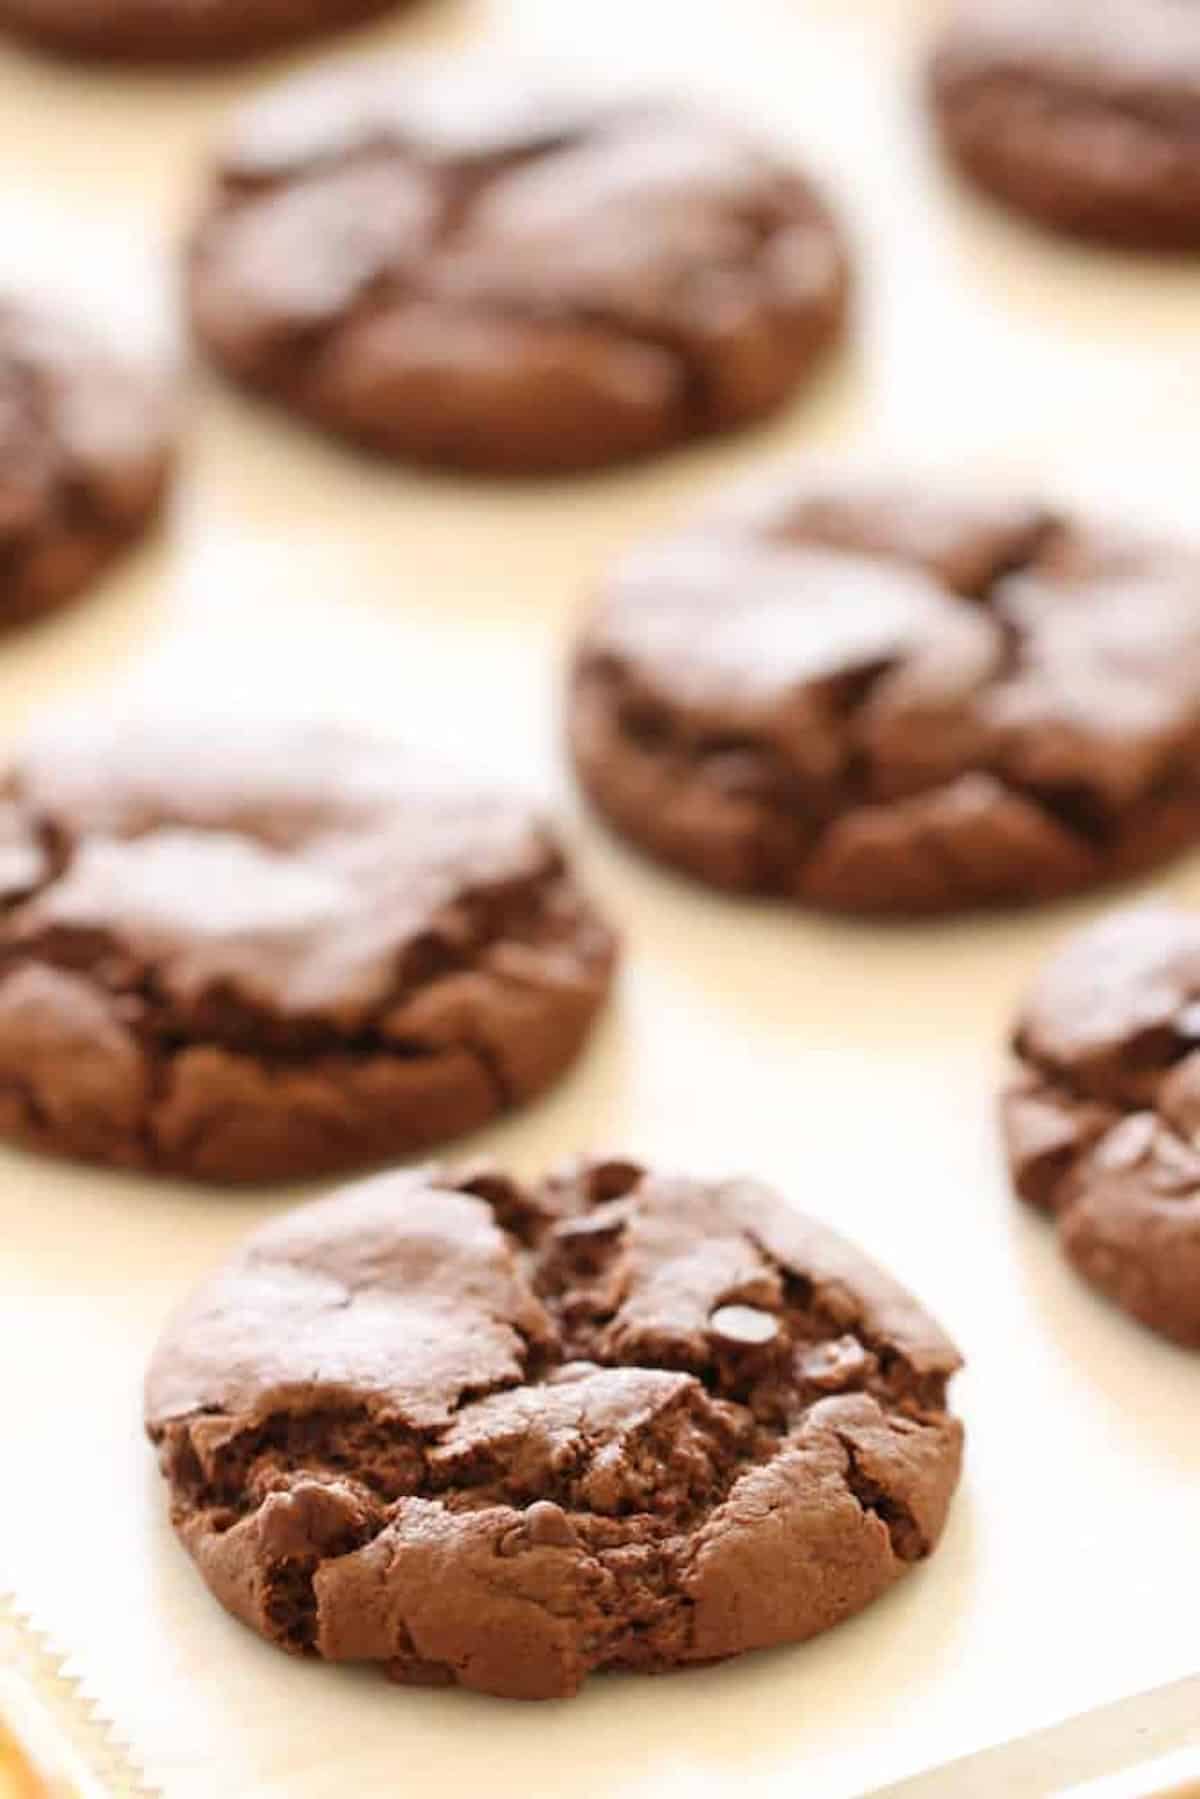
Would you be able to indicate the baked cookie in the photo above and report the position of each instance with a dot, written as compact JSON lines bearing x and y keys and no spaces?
{"x":454,"y":264}
{"x":510,"y":1436}
{"x":84,"y":457}
{"x":1083,"y":114}
{"x":895,"y":700}
{"x":1103,"y":1123}
{"x":265,"y":951}
{"x":178,"y":31}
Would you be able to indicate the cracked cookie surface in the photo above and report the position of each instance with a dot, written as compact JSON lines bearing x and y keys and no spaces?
{"x":1085,"y":117}
{"x":178,"y":31}
{"x":892,"y":700}
{"x":454,"y":264}
{"x":257,"y":951}
{"x":85,"y":448}
{"x":508,"y":1436}
{"x":1103,"y":1122}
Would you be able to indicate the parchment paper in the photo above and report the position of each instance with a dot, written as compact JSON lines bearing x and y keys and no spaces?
{"x":854,"y":1066}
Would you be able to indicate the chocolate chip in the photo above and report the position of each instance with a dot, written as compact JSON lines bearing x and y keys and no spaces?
{"x":834,"y":1366}
{"x":1176,"y":1166}
{"x":1128,"y":1144}
{"x":743,"y":1325}
{"x":613,"y":1180}
{"x":487,"y":1183}
{"x":591,"y":1227}
{"x":548,"y":1526}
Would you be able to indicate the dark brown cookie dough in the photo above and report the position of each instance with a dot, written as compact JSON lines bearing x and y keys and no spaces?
{"x":895,"y":700}
{"x":1103,"y":1124}
{"x":1084,"y":114}
{"x":178,"y":31}
{"x":451,"y":264}
{"x":84,"y":456}
{"x":251,"y":952}
{"x":510,"y":1436}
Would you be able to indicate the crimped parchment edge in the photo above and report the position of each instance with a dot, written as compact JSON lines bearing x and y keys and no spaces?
{"x":60,"y":1728}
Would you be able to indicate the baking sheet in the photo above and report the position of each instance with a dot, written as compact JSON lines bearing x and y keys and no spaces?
{"x":854,"y":1066}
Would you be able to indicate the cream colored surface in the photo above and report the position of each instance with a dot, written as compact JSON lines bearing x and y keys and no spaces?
{"x":854,"y":1066}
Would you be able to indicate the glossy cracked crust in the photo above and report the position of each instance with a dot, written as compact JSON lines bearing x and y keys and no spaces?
{"x":1103,"y":1123}
{"x":449,"y":263}
{"x":1085,"y":116}
{"x":891,"y":700}
{"x":85,"y":445}
{"x":178,"y":31}
{"x":267,"y":951}
{"x":508,"y":1437}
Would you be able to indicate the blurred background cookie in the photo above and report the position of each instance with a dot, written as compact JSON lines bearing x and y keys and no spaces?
{"x":895,"y":699}
{"x":178,"y":31}
{"x":1084,"y":114}
{"x":455,"y":263}
{"x":250,"y":952}
{"x":85,"y":450}
{"x":1104,"y":1120}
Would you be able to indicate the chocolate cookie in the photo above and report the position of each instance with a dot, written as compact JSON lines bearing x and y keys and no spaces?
{"x":267,"y":951}
{"x":450,"y":263}
{"x":178,"y":31}
{"x":1103,"y":1124}
{"x":84,"y":455}
{"x":510,"y":1436}
{"x":1084,"y":114}
{"x":896,"y":700}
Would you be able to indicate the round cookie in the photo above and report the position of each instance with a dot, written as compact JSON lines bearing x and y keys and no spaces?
{"x":85,"y":448}
{"x":1103,"y":1123}
{"x":895,"y":700}
{"x":275,"y":950}
{"x":178,"y":31}
{"x":1084,"y":116}
{"x":454,"y":264}
{"x":508,"y":1437}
